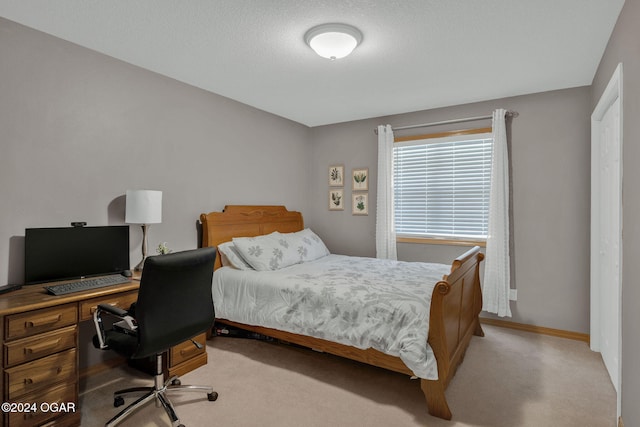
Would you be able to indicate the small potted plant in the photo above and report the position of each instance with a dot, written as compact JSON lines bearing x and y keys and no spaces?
{"x":163,"y":249}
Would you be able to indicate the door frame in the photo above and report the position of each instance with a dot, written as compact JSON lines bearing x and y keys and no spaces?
{"x":611,"y":94}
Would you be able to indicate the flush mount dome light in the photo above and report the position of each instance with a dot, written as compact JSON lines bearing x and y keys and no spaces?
{"x":333,"y":41}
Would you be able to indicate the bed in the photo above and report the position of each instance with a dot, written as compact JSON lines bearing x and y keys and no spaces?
{"x":450,"y":296}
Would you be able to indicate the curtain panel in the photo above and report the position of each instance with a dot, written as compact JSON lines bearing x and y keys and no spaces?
{"x":385,"y":218}
{"x":496,"y":284}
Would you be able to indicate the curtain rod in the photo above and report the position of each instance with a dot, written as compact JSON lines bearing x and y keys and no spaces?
{"x":449,"y":122}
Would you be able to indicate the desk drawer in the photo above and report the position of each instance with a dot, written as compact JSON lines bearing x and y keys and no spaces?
{"x":31,"y":348}
{"x":38,"y":321}
{"x":123,"y":301}
{"x":187,"y":350}
{"x":31,"y":376}
{"x":53,"y":398}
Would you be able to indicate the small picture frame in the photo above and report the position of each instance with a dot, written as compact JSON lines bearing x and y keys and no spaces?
{"x":360,"y":203}
{"x":336,"y":176}
{"x":336,"y":200}
{"x":360,"y":179}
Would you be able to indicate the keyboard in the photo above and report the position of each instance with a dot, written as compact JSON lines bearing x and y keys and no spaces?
{"x":87,"y":284}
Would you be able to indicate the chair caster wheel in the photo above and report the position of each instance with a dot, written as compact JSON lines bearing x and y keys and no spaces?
{"x":118,"y":401}
{"x":212,"y":396}
{"x":176,"y":382}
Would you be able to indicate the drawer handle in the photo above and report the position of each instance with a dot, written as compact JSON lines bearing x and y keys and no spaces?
{"x":49,"y":320}
{"x":28,"y":416}
{"x":47,"y":345}
{"x":46,"y":375}
{"x":189,"y":350}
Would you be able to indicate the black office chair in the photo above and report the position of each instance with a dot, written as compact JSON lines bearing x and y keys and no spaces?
{"x":174,"y":305}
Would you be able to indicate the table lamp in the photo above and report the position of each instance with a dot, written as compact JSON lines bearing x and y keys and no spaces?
{"x":143,"y":207}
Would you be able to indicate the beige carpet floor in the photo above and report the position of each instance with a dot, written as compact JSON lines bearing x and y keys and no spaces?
{"x":508,"y":378}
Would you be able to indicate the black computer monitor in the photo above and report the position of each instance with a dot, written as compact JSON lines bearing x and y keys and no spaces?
{"x":53,"y":254}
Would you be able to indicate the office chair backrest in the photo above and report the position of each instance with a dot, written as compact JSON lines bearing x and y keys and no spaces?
{"x":174,"y":301}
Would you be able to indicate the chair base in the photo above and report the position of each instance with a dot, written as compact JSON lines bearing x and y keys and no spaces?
{"x":157,"y":393}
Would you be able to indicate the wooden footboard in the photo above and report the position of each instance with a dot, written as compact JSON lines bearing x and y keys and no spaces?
{"x":455,"y":304}
{"x":454,"y":318}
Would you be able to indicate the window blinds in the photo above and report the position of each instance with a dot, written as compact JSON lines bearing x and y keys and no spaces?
{"x":441,"y":187}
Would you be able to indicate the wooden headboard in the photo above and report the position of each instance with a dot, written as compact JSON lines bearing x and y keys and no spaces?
{"x":247,"y":221}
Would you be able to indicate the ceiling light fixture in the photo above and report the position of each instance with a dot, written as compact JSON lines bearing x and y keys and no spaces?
{"x":333,"y":41}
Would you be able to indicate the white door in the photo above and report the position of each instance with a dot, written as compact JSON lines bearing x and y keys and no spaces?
{"x":606,"y":228}
{"x":609,"y":254}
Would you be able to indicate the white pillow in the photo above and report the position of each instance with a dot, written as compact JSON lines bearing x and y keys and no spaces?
{"x":308,"y":245}
{"x":268,"y":252}
{"x":230,"y":257}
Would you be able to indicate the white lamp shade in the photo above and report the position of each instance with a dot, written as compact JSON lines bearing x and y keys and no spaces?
{"x":333,"y":41}
{"x":143,"y":207}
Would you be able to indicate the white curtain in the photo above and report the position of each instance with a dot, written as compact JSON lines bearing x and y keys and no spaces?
{"x":385,"y":221}
{"x":497,"y":275}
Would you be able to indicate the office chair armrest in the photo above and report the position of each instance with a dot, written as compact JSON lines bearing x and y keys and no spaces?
{"x":127,"y":322}
{"x":112,"y":309}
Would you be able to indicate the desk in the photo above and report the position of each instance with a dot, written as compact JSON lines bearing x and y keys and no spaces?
{"x":40,"y":350}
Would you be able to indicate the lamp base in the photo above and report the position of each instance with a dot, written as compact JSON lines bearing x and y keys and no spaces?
{"x":140,"y":265}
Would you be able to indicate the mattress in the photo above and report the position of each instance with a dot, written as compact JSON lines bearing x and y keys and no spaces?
{"x":356,"y":301}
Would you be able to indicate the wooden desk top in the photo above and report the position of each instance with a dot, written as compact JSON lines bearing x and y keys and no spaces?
{"x":33,"y":297}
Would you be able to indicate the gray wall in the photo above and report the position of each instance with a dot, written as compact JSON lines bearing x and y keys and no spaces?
{"x":79,"y":128}
{"x":551,"y":172}
{"x":624,"y":46}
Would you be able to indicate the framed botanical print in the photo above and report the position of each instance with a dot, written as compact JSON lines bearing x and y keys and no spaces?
{"x":360,"y":203}
{"x":336,"y":200}
{"x":360,"y":179}
{"x":336,"y":176}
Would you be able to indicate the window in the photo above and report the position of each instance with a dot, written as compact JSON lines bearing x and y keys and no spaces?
{"x":441,"y":185}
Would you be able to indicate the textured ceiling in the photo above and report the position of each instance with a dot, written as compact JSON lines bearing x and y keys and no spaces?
{"x":415,"y":55}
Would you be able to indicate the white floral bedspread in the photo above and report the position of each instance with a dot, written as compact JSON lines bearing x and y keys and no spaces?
{"x":362,"y":302}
